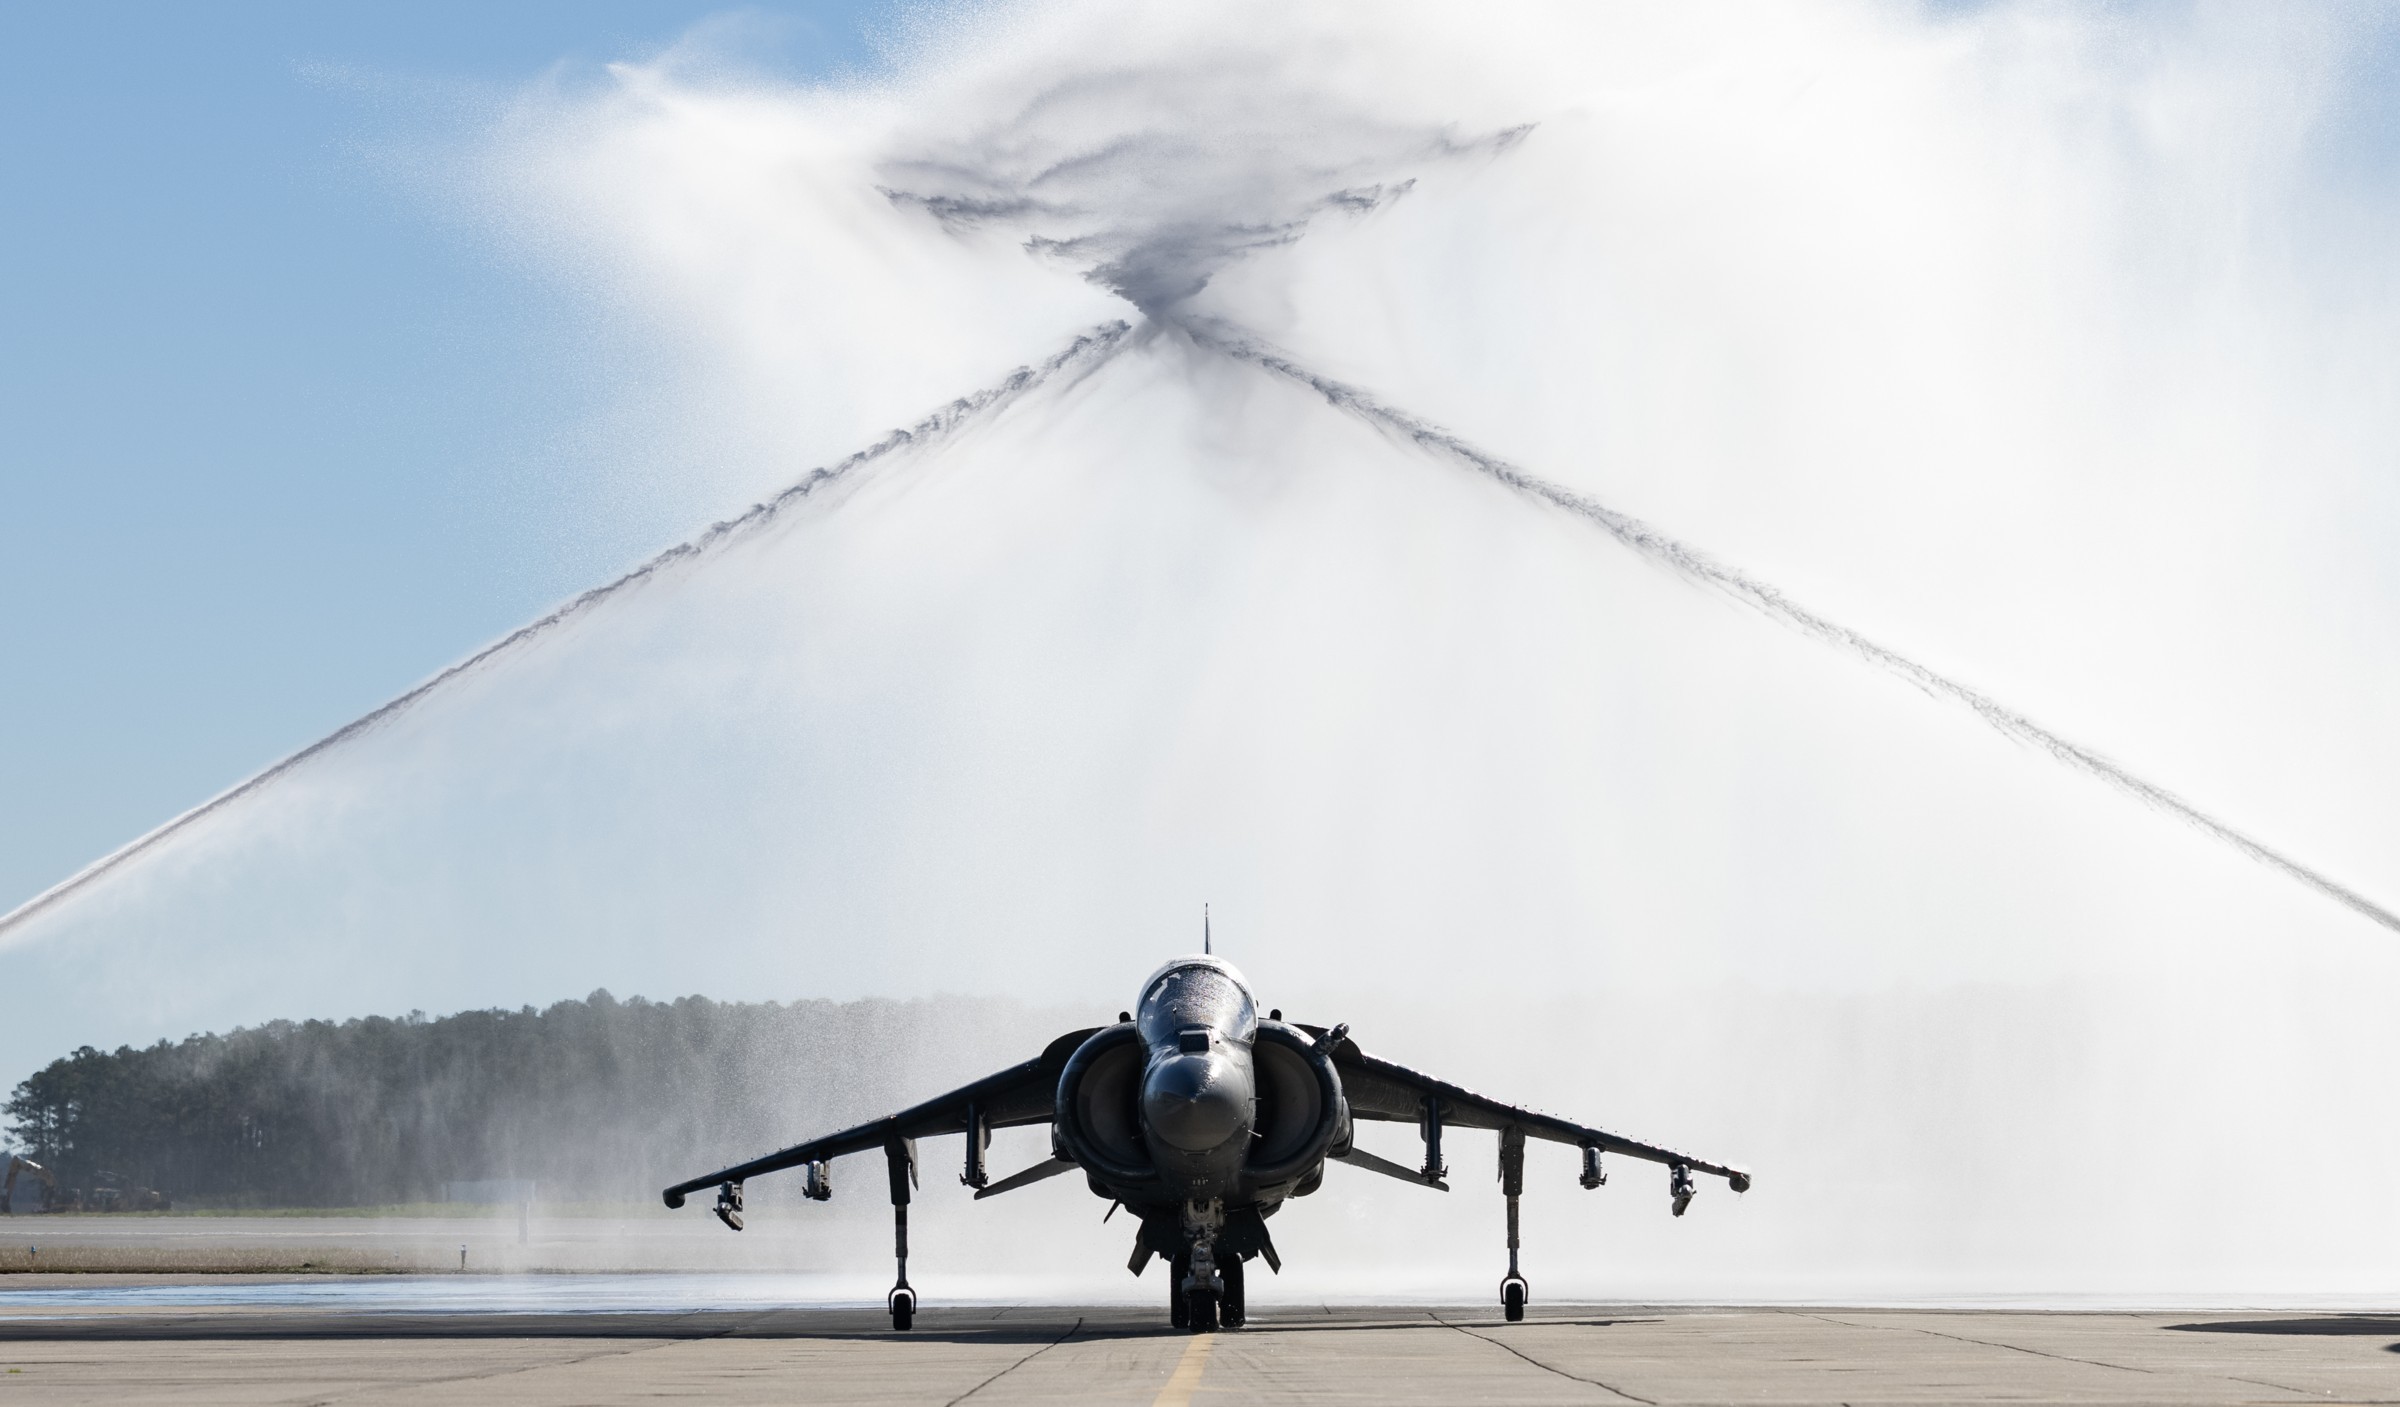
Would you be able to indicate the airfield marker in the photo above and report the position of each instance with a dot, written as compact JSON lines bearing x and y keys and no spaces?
{"x":1179,"y":1389}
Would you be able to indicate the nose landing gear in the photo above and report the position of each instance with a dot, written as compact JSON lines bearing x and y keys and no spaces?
{"x":1202,"y":1310}
{"x":1201,"y":1301}
{"x":1200,"y":1307}
{"x":1205,"y":1295}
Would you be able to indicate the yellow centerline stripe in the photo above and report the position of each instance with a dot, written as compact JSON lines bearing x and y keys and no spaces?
{"x":1179,"y":1389}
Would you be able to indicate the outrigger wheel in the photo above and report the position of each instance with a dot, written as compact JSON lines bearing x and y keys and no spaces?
{"x":904,"y":1307}
{"x":1514,"y":1292}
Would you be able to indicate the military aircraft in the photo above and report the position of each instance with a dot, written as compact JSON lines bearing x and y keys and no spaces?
{"x":1200,"y":1118}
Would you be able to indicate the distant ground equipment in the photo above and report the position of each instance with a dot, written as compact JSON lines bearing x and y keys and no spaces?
{"x":41,"y":1177}
{"x":114,"y":1192}
{"x":110,"y":1192}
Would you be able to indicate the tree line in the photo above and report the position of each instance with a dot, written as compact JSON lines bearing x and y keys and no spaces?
{"x":596,"y":1100}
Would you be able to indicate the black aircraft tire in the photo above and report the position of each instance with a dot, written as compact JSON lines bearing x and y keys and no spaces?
{"x":1512,"y":1301}
{"x":1234,"y":1311}
{"x":1202,"y":1312}
{"x":1178,"y":1308}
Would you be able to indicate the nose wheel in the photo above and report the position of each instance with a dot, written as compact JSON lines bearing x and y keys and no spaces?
{"x":1198,"y":1303}
{"x":1200,"y":1310}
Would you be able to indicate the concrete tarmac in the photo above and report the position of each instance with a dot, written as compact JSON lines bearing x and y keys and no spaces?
{"x":997,"y":1355}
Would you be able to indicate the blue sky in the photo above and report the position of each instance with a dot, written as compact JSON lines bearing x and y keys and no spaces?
{"x":278,"y":436}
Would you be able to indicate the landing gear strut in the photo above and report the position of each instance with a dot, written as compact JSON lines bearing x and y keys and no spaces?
{"x":900,"y":1160}
{"x":1515,"y":1293}
{"x":1200,"y":1289}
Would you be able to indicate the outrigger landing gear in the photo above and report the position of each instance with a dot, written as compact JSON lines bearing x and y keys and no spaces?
{"x":900,"y":1160}
{"x":1515,"y":1293}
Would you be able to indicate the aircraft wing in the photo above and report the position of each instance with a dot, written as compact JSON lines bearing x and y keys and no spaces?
{"x":1379,"y":1089}
{"x":1020,"y":1094}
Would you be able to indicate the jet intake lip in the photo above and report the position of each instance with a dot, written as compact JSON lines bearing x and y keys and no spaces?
{"x":1196,"y":1102}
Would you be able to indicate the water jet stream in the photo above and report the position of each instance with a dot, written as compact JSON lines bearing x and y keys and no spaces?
{"x":1697,"y":566}
{"x":1086,"y":350}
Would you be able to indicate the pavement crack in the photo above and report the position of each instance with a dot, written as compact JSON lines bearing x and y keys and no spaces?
{"x":2061,"y":1357}
{"x":2279,"y":1387}
{"x":512,"y":1370}
{"x":1536,"y":1362}
{"x":1028,"y":1358}
{"x":1987,"y":1343}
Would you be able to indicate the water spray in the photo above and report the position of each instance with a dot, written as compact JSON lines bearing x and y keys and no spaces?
{"x":1086,"y":351}
{"x":1697,"y":566}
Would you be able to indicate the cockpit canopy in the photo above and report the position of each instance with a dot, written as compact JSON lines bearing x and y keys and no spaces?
{"x":1203,"y":992}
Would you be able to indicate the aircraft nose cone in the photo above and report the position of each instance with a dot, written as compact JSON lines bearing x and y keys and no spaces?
{"x":1194,"y":1102}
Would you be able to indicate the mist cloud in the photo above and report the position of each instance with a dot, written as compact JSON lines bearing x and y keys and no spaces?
{"x":2031,"y":344}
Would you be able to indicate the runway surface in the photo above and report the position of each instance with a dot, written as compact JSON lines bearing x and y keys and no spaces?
{"x":95,"y":1339}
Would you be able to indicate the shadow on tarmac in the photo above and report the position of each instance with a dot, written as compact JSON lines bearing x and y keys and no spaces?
{"x":2362,"y":1324}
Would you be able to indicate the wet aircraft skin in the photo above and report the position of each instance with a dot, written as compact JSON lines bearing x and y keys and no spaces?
{"x":1202,"y":1118}
{"x":1199,"y":1094}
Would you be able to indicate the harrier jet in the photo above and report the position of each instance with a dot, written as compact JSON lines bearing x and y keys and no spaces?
{"x":1201,"y":1118}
